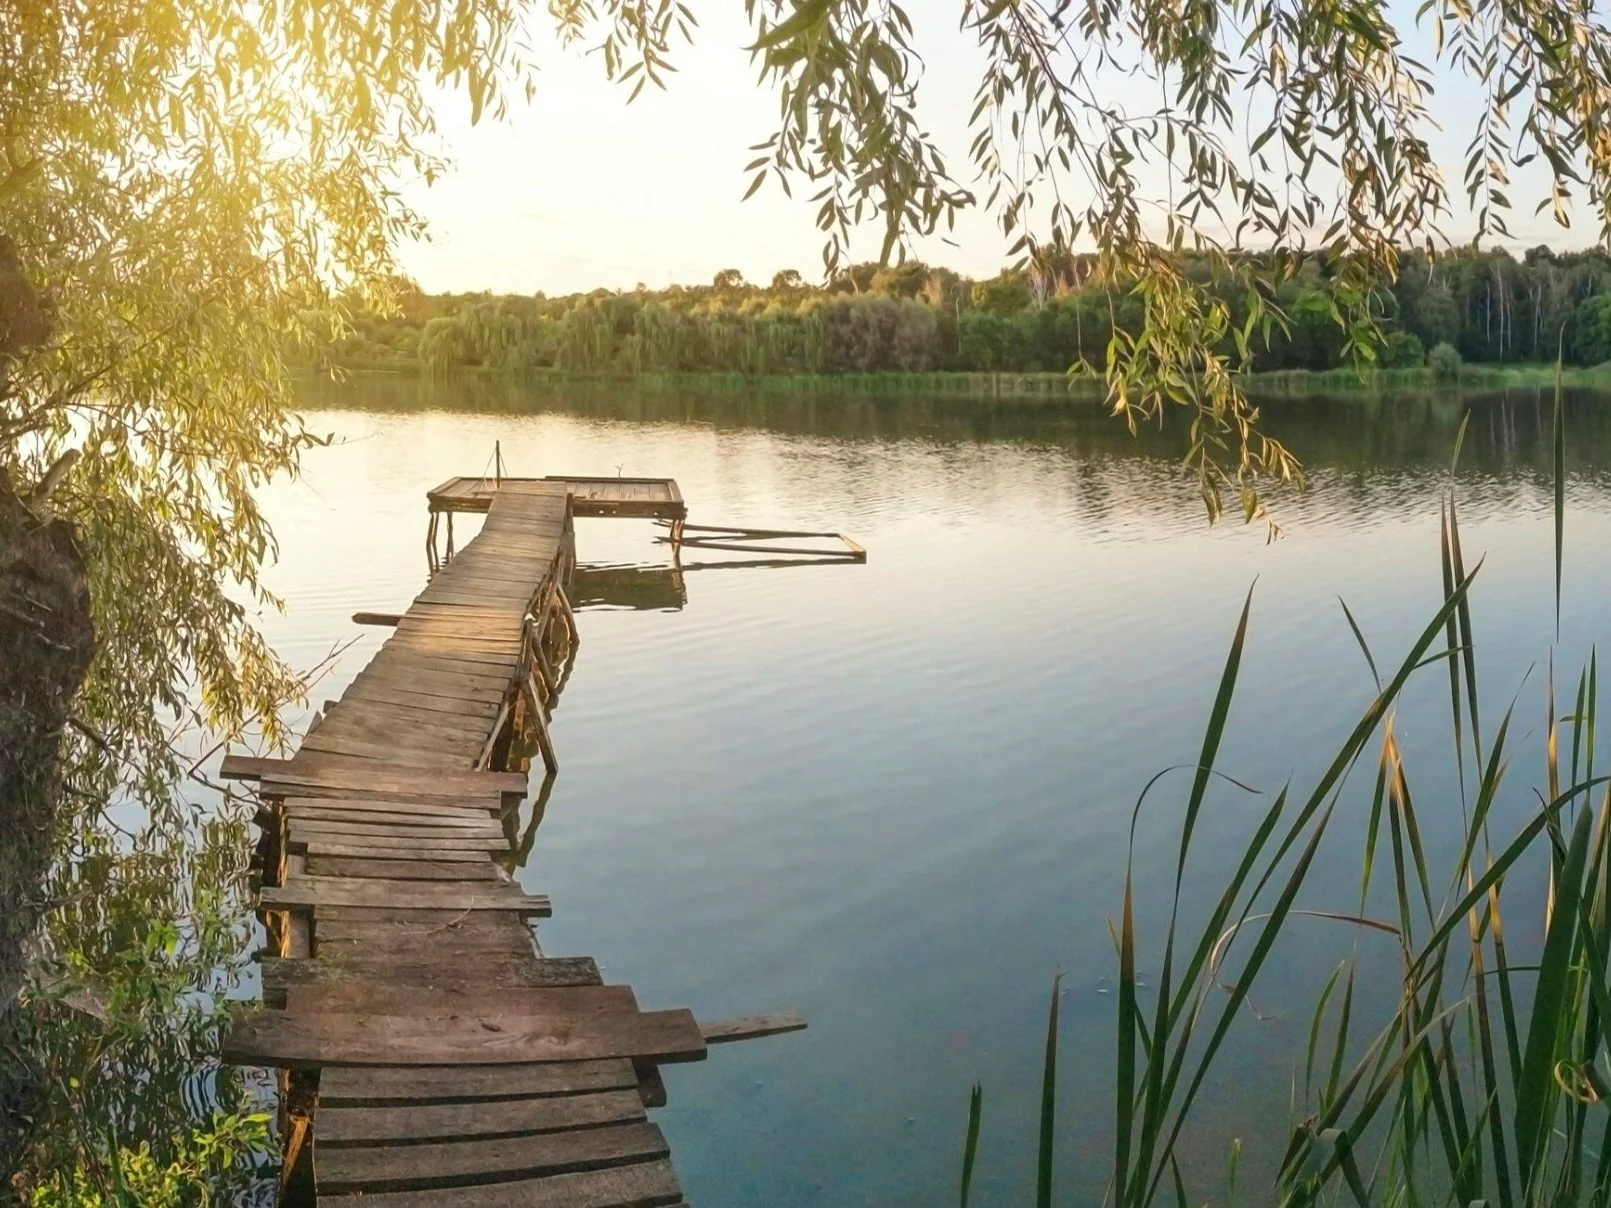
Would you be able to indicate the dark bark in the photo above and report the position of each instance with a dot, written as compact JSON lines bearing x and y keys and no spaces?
{"x":46,"y":641}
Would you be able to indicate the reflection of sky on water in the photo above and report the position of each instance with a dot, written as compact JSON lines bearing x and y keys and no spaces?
{"x":896,"y":795}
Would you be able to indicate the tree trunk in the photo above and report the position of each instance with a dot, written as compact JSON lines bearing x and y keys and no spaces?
{"x":46,"y":639}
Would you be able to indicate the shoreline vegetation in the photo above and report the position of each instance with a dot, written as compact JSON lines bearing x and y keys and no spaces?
{"x":1477,"y":319}
{"x":1273,"y":385}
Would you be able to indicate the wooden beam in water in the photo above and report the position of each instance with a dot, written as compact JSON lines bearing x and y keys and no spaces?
{"x":377,"y":618}
{"x":750,"y":1027}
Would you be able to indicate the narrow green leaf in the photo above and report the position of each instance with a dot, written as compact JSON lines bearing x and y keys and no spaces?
{"x":970,"y":1147}
{"x":1048,"y":1104}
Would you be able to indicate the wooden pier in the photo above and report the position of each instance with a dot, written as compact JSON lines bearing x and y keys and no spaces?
{"x":432,"y":1055}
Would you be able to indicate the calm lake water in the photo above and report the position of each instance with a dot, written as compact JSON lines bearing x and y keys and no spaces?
{"x":897,"y":796}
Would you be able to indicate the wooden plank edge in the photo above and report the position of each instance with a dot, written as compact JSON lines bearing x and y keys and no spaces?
{"x":752,"y":1027}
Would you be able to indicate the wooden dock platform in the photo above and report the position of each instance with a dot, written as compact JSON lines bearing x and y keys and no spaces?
{"x":651,"y":498}
{"x":432,"y":1055}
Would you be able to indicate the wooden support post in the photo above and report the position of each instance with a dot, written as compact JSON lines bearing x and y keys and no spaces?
{"x":547,"y":671}
{"x":545,"y":744}
{"x":568,"y":615}
{"x":539,"y":672}
{"x":492,"y":739}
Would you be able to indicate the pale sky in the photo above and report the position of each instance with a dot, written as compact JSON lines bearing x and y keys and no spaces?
{"x":579,"y":190}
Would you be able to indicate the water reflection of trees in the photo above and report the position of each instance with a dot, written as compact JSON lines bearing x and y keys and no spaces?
{"x":1507,"y":431}
{"x":149,"y":932}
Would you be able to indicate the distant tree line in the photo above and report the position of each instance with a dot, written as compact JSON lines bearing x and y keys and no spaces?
{"x":1480,"y":306}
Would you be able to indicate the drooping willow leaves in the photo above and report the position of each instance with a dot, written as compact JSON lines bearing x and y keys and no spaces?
{"x":1257,"y":135}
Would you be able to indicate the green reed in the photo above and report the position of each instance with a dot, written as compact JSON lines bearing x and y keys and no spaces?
{"x":1488,"y":1079}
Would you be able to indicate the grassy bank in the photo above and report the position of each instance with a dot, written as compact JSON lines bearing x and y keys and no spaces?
{"x":1279,"y":384}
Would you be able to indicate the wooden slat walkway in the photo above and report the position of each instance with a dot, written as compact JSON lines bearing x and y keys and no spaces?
{"x":435,"y":1056}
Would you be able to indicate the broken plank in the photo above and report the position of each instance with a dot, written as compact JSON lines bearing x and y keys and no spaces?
{"x":376,"y":618}
{"x":749,"y":1027}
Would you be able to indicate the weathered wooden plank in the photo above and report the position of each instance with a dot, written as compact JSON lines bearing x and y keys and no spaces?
{"x":482,"y":707}
{"x":280,"y":974}
{"x":469,"y":951}
{"x":371,"y":915}
{"x":335,"y":810}
{"x":409,"y":826}
{"x":445,"y":678}
{"x":492,"y":802}
{"x":749,"y":1027}
{"x":360,"y":850}
{"x":307,"y":893}
{"x":398,"y":654}
{"x":396,"y":1168}
{"x":371,"y":713}
{"x":402,"y":845}
{"x":364,"y":721}
{"x":342,"y":775}
{"x":413,"y":1123}
{"x":514,"y":933}
{"x":639,"y":1185}
{"x":415,"y":1000}
{"x":465,"y":871}
{"x":376,"y":618}
{"x":377,"y":1086}
{"x":451,"y":686}
{"x":393,"y":754}
{"x":467,"y":655}
{"x":278,"y":1038}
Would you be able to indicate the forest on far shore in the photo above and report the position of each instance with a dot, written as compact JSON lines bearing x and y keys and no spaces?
{"x":1486,"y":307}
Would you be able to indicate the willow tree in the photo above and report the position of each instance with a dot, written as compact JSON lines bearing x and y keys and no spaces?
{"x":186,"y":188}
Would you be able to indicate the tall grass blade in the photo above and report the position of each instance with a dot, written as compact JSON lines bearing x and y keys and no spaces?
{"x":1559,"y":446}
{"x":1143,"y":1186}
{"x":1048,"y":1104}
{"x":970,"y":1146}
{"x":1536,"y":1090}
{"x":1364,"y":646}
{"x":1468,"y":641}
{"x":1154,"y":1099}
{"x":1125,"y":1083}
{"x":1446,"y":561}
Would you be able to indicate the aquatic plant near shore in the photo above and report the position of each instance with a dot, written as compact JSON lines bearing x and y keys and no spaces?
{"x":1488,"y":1076}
